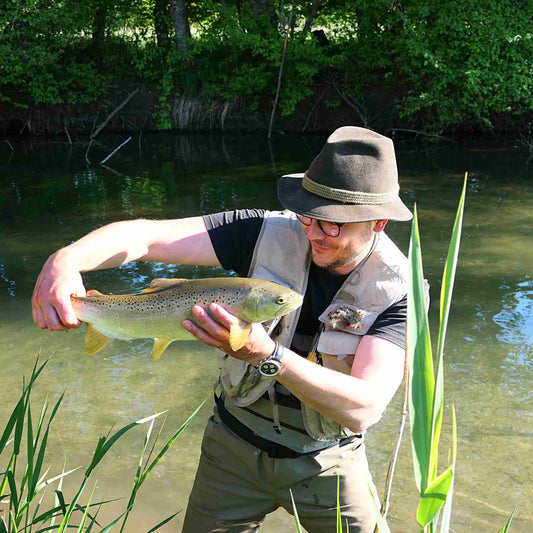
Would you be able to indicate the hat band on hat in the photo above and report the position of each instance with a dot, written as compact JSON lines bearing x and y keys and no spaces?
{"x":352,"y":197}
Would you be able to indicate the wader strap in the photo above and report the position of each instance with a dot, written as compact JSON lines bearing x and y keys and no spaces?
{"x":272,"y":396}
{"x":275,"y":451}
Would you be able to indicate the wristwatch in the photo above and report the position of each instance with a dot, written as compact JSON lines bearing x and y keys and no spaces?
{"x":271,"y":366}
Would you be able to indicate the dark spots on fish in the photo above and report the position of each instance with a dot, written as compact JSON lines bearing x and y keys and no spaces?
{"x":316,"y":499}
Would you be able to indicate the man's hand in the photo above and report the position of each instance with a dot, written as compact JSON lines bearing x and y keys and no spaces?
{"x":215,"y":332}
{"x":51,"y":305}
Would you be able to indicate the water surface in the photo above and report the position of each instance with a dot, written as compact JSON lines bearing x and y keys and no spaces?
{"x":50,"y":196}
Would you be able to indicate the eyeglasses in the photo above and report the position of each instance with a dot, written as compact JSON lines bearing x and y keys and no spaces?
{"x":331,"y":229}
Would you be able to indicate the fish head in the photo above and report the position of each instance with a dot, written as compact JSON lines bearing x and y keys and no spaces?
{"x":269,"y":300}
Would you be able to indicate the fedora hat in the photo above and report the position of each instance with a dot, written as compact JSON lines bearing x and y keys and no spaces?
{"x":353,"y":179}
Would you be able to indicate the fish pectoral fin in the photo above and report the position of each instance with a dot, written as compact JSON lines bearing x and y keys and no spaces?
{"x":93,"y":292}
{"x":95,"y":341}
{"x":160,"y":345}
{"x":166,"y":282}
{"x":238,"y":334}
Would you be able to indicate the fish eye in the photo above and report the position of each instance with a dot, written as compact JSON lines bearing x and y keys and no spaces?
{"x":280,"y":300}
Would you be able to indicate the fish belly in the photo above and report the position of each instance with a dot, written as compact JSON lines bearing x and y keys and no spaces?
{"x":124,"y":326}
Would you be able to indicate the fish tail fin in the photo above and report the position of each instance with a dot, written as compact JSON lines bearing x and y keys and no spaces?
{"x":95,"y":341}
{"x":238,"y":334}
{"x":160,"y":345}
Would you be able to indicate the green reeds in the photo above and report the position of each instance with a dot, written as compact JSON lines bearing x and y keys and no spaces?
{"x":426,"y":394}
{"x":23,"y":483}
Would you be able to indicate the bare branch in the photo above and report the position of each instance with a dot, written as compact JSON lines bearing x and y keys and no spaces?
{"x":104,"y":124}
{"x":289,"y":25}
{"x":115,"y":150}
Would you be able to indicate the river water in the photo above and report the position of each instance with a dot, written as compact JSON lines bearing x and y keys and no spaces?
{"x":50,"y":196}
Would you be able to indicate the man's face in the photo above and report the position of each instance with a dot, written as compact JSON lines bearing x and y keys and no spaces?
{"x":341,"y":254}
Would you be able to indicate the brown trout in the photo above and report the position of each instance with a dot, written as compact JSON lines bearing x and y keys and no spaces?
{"x":158,"y":311}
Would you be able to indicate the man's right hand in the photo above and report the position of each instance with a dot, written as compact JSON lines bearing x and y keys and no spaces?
{"x":51,"y":305}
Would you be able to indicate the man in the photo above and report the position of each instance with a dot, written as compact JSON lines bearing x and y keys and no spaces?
{"x":292,"y":405}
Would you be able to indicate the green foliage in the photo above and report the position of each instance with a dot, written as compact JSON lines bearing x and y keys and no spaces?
{"x":444,"y":63}
{"x":23,"y":493}
{"x":439,"y":65}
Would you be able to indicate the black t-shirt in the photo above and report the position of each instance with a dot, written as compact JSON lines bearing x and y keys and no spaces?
{"x":234,"y":235}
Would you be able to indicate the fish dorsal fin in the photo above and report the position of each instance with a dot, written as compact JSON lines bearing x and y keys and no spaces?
{"x":162,"y":283}
{"x":166,"y":282}
{"x":93,"y":292}
{"x":238,"y":334}
{"x":160,"y":345}
{"x":95,"y":341}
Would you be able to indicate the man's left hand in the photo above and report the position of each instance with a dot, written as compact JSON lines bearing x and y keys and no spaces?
{"x":215,"y":331}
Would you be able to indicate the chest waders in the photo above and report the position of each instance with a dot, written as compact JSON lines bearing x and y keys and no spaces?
{"x":264,"y":407}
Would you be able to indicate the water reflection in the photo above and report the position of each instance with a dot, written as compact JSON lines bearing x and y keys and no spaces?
{"x":48,"y":200}
{"x":516,"y":320}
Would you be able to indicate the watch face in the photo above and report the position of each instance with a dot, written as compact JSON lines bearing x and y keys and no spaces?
{"x":270,"y":368}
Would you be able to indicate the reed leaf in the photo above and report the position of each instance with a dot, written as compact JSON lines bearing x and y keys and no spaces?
{"x":434,"y":497}
{"x":93,"y":519}
{"x":11,"y":424}
{"x":32,"y":488}
{"x":13,"y":497}
{"x":381,"y":521}
{"x":505,"y":528}
{"x":339,"y":516}
{"x":63,"y":474}
{"x":30,"y":446}
{"x":141,"y":477}
{"x":447,"y":509}
{"x":295,"y":514}
{"x":422,"y":381}
{"x":3,"y":525}
{"x":105,"y":443}
{"x":86,"y":512}
{"x":112,"y":524}
{"x":66,"y":518}
{"x":169,"y":443}
{"x":61,"y":500}
{"x":448,"y":278}
{"x":62,"y":509}
{"x":163,"y":522}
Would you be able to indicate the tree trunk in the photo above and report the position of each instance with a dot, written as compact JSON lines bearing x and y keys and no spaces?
{"x":98,"y":34}
{"x":311,"y":17}
{"x":161,"y":22}
{"x":182,"y":29}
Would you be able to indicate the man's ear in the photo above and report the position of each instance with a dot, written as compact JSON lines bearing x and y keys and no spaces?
{"x":380,"y":225}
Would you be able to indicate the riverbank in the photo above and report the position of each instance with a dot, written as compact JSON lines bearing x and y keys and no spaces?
{"x":132,"y":107}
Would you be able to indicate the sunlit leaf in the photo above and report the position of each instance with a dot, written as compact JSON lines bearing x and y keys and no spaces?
{"x":339,"y":516}
{"x":421,"y":382}
{"x":163,"y":522}
{"x":448,"y":279}
{"x":434,"y":497}
{"x":295,"y":514}
{"x":505,"y":528}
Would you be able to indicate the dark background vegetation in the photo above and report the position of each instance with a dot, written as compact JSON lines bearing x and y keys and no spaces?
{"x":452,"y":67}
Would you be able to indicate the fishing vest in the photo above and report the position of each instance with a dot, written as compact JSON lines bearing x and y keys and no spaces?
{"x":283,"y":255}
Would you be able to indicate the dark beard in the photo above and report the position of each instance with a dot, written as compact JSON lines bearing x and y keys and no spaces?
{"x":344,"y":261}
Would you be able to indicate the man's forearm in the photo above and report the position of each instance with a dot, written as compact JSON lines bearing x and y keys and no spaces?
{"x":348,"y":400}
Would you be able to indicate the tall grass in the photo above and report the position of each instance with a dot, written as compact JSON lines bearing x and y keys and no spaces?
{"x":24,"y":481}
{"x":426,"y":390}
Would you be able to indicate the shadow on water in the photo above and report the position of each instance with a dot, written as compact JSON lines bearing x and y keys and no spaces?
{"x":49,"y":197}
